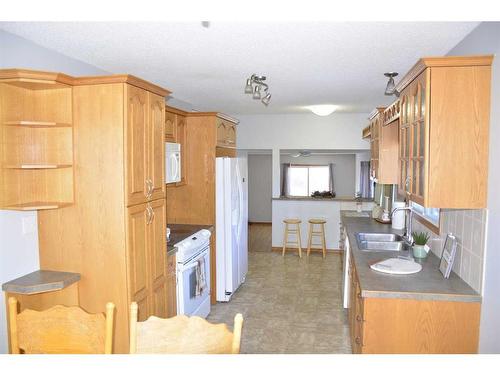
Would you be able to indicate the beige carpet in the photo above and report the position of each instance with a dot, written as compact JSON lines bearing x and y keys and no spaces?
{"x":289,"y":305}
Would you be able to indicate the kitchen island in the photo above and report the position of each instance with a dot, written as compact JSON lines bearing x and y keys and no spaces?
{"x":418,"y":313}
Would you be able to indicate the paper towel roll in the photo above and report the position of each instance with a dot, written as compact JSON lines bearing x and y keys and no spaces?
{"x":398,"y":219}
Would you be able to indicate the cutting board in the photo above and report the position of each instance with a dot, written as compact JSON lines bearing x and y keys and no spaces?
{"x":397,"y":266}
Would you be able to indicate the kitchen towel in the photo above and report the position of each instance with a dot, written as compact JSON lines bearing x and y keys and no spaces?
{"x":201,"y":282}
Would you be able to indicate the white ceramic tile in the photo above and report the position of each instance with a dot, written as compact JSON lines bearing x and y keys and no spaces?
{"x":476,"y":272}
{"x":458,"y":261}
{"x":467,"y":232}
{"x":465,"y":266}
{"x":477,"y":240}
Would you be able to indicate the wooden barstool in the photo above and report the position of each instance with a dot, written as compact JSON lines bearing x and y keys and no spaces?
{"x":319,"y":233}
{"x":292,"y":226}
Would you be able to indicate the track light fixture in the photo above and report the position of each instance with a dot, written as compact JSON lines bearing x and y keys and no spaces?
{"x":390,"y":89}
{"x":255,"y":85}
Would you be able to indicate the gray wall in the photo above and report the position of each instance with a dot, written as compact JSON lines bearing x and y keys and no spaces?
{"x":18,"y":245}
{"x":260,"y":188}
{"x":344,"y":170}
{"x":485,"y":39}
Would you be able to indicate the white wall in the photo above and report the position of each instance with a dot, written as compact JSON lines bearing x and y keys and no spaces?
{"x":260,"y":189}
{"x":302,"y":131}
{"x":343,"y":170}
{"x":485,"y":40}
{"x":18,"y":251}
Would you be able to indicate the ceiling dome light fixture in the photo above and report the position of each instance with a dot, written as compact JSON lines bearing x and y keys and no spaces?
{"x":255,"y":85}
{"x":390,"y":89}
{"x":322,"y":109}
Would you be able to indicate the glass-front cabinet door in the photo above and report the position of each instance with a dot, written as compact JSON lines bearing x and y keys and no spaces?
{"x":404,"y":149}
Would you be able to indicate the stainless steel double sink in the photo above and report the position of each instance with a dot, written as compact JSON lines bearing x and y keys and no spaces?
{"x":381,"y":242}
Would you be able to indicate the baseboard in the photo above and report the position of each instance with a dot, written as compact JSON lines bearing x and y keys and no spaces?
{"x":259,"y":223}
{"x":304,"y":249}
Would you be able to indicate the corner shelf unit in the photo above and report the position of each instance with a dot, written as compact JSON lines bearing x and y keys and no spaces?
{"x":36,"y":161}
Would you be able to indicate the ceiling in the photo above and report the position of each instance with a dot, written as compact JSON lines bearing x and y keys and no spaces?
{"x":305,"y":63}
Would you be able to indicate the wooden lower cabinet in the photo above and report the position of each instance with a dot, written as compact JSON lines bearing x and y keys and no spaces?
{"x":410,"y":326}
{"x":146,"y":252}
{"x":171,"y":286}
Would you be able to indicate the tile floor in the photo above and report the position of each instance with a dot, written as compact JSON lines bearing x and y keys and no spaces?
{"x":289,"y":305}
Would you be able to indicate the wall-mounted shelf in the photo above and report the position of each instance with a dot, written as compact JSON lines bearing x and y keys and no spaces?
{"x":36,"y":138}
{"x":32,"y":206}
{"x":38,"y":124}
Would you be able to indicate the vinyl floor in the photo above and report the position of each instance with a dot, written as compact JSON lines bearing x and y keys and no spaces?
{"x":289,"y":305}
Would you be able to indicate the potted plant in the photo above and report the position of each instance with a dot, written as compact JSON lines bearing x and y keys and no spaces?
{"x":419,"y":241}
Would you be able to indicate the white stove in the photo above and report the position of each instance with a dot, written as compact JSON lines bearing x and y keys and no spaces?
{"x":193,"y":258}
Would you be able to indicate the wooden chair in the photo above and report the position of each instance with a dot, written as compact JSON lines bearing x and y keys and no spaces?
{"x":60,"y":330}
{"x":317,"y":233}
{"x":182,"y":335}
{"x":292,"y":226}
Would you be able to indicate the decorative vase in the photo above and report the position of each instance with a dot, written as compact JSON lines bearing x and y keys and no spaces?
{"x":419,"y":251}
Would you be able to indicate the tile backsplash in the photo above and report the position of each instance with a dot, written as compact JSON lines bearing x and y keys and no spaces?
{"x":469,"y":228}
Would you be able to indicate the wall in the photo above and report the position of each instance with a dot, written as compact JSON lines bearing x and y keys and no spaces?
{"x":483,"y":40}
{"x":343,"y":170}
{"x":259,"y":188}
{"x":18,"y":250}
{"x":339,"y":131}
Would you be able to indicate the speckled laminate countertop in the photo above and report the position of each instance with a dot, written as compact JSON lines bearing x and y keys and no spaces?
{"x":336,"y":199}
{"x":428,"y":284}
{"x":41,"y":281}
{"x":179,"y":232}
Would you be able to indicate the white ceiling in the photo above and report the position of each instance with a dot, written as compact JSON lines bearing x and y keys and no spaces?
{"x":306,"y":63}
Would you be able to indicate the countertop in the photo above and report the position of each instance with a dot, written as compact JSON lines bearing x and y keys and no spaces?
{"x":179,"y":232}
{"x":339,"y":199}
{"x":41,"y":281}
{"x":428,"y":284}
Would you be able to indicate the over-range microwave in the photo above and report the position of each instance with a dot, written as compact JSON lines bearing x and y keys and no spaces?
{"x":172,"y":162}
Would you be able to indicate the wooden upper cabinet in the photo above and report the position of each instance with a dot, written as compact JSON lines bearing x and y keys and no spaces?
{"x":226,"y":133}
{"x":156,"y":146}
{"x":182,"y":139}
{"x":221,"y":132}
{"x":137,"y":119}
{"x":170,"y":128}
{"x":145,"y":119}
{"x":443,"y":155}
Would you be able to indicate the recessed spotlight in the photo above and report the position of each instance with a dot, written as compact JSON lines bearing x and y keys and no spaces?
{"x":322,"y":109}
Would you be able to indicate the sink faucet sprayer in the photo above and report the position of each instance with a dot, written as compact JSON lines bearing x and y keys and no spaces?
{"x":408,"y":222}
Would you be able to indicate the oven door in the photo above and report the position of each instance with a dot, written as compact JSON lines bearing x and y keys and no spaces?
{"x":188,"y":303}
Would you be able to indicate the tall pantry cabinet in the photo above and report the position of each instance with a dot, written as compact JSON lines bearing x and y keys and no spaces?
{"x":114,"y":234}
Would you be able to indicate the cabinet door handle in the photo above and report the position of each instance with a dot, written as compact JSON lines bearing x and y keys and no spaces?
{"x":149,"y":188}
{"x":359,"y":295}
{"x":148,"y":214}
{"x":359,"y":318}
{"x":358,"y":341}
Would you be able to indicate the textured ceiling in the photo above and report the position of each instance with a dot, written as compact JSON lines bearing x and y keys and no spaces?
{"x":306,"y":63}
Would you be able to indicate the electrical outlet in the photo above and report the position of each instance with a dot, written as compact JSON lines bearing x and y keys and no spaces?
{"x":29,"y":224}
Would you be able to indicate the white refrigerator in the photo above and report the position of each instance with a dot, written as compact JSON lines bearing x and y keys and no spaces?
{"x":231,"y":225}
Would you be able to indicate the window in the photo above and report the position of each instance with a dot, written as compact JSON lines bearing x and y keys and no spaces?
{"x":429,"y":214}
{"x":303,"y":180}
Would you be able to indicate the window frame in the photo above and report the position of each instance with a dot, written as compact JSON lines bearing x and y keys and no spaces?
{"x":307,"y":166}
{"x":426,"y":220}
